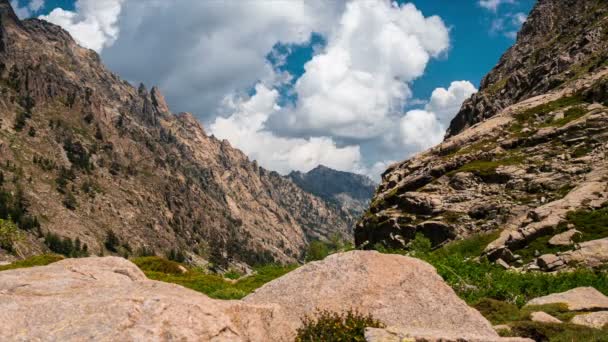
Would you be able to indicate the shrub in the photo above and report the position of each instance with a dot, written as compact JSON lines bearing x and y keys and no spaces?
{"x":112,"y":242}
{"x":9,"y":234}
{"x":420,"y":244}
{"x":317,"y":250}
{"x":38,"y":260}
{"x":156,"y":264}
{"x":332,"y":326}
{"x":65,"y":246}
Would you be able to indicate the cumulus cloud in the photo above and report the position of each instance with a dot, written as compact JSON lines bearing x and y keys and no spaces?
{"x":357,"y":86}
{"x":445,"y":103}
{"x":492,"y":5}
{"x":245,"y":129}
{"x":93,"y":23}
{"x":31,"y":8}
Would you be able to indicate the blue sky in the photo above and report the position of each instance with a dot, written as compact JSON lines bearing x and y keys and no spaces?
{"x":354,"y":85}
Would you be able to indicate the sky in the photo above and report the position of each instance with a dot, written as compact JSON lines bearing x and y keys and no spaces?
{"x":351,"y":84}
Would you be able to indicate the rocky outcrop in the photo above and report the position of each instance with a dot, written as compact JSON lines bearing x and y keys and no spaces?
{"x":352,"y":192}
{"x":399,"y":291}
{"x":596,"y":320}
{"x":522,"y":155}
{"x":561,"y":40}
{"x":578,"y":299}
{"x":109,"y":299}
{"x":422,"y":335}
{"x":543,"y":317}
{"x":88,"y":154}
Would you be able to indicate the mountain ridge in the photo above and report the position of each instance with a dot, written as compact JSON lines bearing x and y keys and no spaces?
{"x":93,"y":160}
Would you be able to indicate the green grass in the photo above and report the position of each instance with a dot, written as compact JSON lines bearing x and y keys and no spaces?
{"x":213,"y":285}
{"x":528,"y":116}
{"x":487,"y":168}
{"x":38,"y":260}
{"x":557,"y":332}
{"x":592,"y":223}
{"x":570,"y":115}
{"x":475,"y":280}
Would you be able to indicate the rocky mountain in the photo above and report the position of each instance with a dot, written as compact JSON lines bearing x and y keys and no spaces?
{"x":351,"y":192}
{"x":526,"y":156}
{"x":91,"y":165}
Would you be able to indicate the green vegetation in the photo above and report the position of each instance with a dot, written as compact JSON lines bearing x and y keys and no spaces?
{"x":319,"y":250}
{"x":331,"y":326}
{"x":66,"y":246}
{"x":38,"y":260}
{"x":9,"y":234}
{"x":571,"y":114}
{"x":499,"y":312}
{"x":213,"y":285}
{"x":486,"y":169}
{"x":557,"y":332}
{"x":592,"y":223}
{"x":546,"y":108}
{"x":474,"y":280}
{"x":15,"y":208}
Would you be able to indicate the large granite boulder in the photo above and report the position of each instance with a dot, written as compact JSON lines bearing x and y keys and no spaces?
{"x":578,"y":299}
{"x":110,"y":299}
{"x":397,"y":290}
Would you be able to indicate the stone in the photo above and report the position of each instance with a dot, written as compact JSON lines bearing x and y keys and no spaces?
{"x":543,"y":317}
{"x":503,"y":264}
{"x":397,"y":290}
{"x":110,"y":299}
{"x":565,"y":238}
{"x":392,"y":334}
{"x":595,"y":320}
{"x":549,"y":262}
{"x":592,"y":253}
{"x":580,"y":298}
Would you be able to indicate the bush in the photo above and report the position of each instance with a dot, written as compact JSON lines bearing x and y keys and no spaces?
{"x":331,"y":326}
{"x":317,"y":250}
{"x":9,"y":234}
{"x":420,"y":245}
{"x":112,"y":242}
{"x":156,"y":264}
{"x":66,"y":246}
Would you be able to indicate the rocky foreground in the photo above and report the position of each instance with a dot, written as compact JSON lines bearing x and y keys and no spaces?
{"x":110,"y":299}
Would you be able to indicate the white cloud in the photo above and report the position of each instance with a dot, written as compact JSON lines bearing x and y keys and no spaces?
{"x":445,"y":103}
{"x":28,"y":10}
{"x":358,"y":85}
{"x":492,"y":5}
{"x":93,"y":23}
{"x":245,"y":129}
{"x":421,"y":129}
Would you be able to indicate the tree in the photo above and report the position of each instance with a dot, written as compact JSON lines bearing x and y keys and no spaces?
{"x":112,"y":242}
{"x":9,"y":234}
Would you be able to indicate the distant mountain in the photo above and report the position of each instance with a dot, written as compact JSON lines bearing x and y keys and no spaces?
{"x":350,"y":191}
{"x":88,"y":159}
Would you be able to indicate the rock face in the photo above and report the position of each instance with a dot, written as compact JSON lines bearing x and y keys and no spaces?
{"x":543,"y":317}
{"x":522,"y":154}
{"x":397,"y":290}
{"x":595,"y":320}
{"x":578,"y":299}
{"x":559,"y":39}
{"x":89,"y":153}
{"x":422,"y":335}
{"x":350,"y":191}
{"x":109,"y":299}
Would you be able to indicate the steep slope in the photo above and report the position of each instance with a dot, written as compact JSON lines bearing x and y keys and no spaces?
{"x":352,"y":192}
{"x":560,"y":41}
{"x":84,"y":155}
{"x":530,"y":162}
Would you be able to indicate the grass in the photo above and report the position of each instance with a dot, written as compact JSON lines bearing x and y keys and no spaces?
{"x":528,"y":116}
{"x":487,"y":168}
{"x":592,"y":223}
{"x":557,"y":332}
{"x":570,"y":115}
{"x":38,"y":260}
{"x":213,"y":285}
{"x":476,"y":280}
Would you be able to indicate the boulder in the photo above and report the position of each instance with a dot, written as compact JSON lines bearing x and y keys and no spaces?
{"x":549,"y":262}
{"x":110,"y":299}
{"x":564,"y":239}
{"x":424,"y":335}
{"x":580,"y":298}
{"x":397,"y":290}
{"x":595,"y":320}
{"x":590,"y":253}
{"x":543,"y":317}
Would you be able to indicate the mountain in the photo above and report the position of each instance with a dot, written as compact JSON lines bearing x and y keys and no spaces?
{"x":524,"y":158}
{"x":351,"y":192}
{"x":87,"y":159}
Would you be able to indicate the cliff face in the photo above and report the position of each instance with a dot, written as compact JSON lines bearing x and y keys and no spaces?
{"x":529,"y":156}
{"x":560,"y":41}
{"x":83,"y":154}
{"x":349,"y":191}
